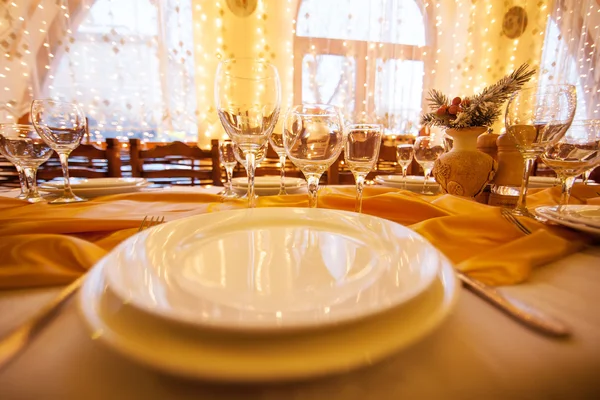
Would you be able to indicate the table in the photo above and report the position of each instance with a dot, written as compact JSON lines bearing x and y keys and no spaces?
{"x":477,"y":353}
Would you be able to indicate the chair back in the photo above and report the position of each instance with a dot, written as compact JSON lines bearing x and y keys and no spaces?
{"x":175,"y":163}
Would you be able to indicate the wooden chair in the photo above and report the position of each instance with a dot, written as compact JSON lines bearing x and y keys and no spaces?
{"x":87,"y":161}
{"x":176,"y":163}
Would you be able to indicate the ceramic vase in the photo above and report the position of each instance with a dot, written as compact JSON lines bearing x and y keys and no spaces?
{"x":464,"y":170}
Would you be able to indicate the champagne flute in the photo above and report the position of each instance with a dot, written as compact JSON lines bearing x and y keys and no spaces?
{"x":576,"y":152}
{"x":404,"y":155}
{"x":313,"y":137}
{"x":536,"y":118}
{"x":361,"y":153}
{"x":427,"y":151}
{"x":61,"y":125}
{"x":248,"y":98}
{"x":24,"y":147}
{"x":276,"y":141}
{"x":228,"y":160}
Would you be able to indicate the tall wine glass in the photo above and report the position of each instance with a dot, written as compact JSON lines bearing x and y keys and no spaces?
{"x":536,"y":118}
{"x":576,"y":152}
{"x":313,"y":137}
{"x":24,"y":147}
{"x":427,"y":150}
{"x":361,"y":152}
{"x":276,"y":141}
{"x":248,"y":99}
{"x":61,"y":125}
{"x":228,"y":160}
{"x":404,"y":155}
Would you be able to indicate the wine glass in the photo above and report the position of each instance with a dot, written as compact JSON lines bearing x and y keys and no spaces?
{"x":536,"y":118}
{"x":238,"y":153}
{"x":24,"y":147}
{"x":313,"y":137}
{"x":404,"y":155}
{"x":427,"y":151}
{"x":276,"y":141}
{"x":361,"y":153}
{"x":228,"y":160}
{"x":577,"y":151}
{"x":248,"y":98}
{"x":61,"y":125}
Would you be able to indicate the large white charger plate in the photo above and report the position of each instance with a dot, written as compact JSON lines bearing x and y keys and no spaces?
{"x":268,"y":185}
{"x":95,"y":183}
{"x":585,"y":218}
{"x":413,"y":183}
{"x":271,"y":269}
{"x":183,"y":351}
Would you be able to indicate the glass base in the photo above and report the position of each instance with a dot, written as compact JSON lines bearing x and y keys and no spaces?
{"x":282,"y":193}
{"x":225,"y":194}
{"x":34,"y":198}
{"x":65,"y":200}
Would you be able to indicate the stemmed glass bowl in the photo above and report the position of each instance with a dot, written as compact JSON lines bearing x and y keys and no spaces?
{"x":404,"y":156}
{"x":62,"y":126}
{"x":248,"y":99}
{"x":538,"y":118}
{"x":24,"y":147}
{"x":313,"y":137}
{"x":228,"y":160}
{"x":427,"y":151}
{"x":361,"y":153}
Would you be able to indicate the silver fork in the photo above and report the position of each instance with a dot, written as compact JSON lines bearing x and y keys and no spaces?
{"x":511,"y":218}
{"x":15,"y":342}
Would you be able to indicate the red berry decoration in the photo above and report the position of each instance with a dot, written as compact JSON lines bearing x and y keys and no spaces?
{"x":465,"y":103}
{"x":456,"y":101}
{"x":442,"y":110}
{"x":453,"y":109}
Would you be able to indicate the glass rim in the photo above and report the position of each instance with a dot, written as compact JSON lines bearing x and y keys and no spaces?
{"x":365,"y":127}
{"x":332,"y":110}
{"x":17,"y":125}
{"x":582,"y":122}
{"x":543,"y":87}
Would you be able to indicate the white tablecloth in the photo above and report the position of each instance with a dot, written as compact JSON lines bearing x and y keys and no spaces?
{"x":478,"y":353}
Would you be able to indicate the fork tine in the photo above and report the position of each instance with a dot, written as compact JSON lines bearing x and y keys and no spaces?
{"x":511,"y":218}
{"x":141,"y":228}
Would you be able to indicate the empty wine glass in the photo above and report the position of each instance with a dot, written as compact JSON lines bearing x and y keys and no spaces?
{"x":577,"y":151}
{"x":228,"y":160}
{"x":276,"y":141}
{"x":361,"y":153}
{"x":24,"y":147}
{"x":313,"y":137}
{"x":427,"y":150}
{"x":248,"y":98}
{"x":536,"y":118}
{"x":61,"y":125}
{"x":404,"y":155}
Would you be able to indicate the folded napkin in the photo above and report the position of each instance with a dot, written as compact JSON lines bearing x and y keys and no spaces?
{"x":44,"y":244}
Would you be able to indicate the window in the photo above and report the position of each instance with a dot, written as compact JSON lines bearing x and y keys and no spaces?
{"x":130,"y":64}
{"x":367,"y":57}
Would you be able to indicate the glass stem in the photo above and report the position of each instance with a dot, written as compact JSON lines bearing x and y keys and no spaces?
{"x":313,"y":188}
{"x":229,"y":173}
{"x":427,"y":173}
{"x":282,"y":184}
{"x":567,"y":184}
{"x":64,"y":163}
{"x":360,"y":184}
{"x":586,"y":175}
{"x":251,"y":168}
{"x":522,"y":202}
{"x":22,"y":180}
{"x":30,"y":179}
{"x":404,"y":169}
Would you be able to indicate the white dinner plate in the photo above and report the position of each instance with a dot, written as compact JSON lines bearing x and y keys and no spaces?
{"x":585,"y":218}
{"x":96,"y":183}
{"x":413,"y":183}
{"x":95,"y":192}
{"x":192,"y":353}
{"x":272,"y":269}
{"x":268,"y":185}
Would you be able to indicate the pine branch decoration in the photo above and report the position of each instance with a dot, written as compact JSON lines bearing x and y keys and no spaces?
{"x":480,"y":110}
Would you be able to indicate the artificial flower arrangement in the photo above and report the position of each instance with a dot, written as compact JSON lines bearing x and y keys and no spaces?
{"x":479,"y":110}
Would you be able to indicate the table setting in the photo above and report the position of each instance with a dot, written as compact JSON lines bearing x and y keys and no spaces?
{"x":275,"y":286}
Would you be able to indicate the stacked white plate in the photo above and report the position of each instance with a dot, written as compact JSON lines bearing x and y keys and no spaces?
{"x":269,"y":185}
{"x":413,"y":183}
{"x":94,"y":187}
{"x":268,"y":294}
{"x":585,"y":218}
